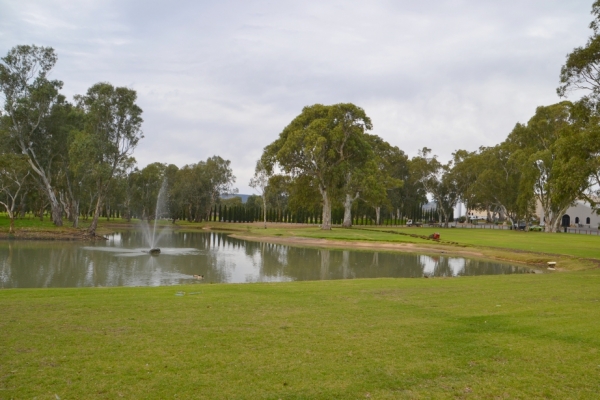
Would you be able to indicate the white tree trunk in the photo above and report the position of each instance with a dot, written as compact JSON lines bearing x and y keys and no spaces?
{"x":326,"y":225}
{"x":264,"y":209}
{"x":348,"y":210}
{"x":94,"y":224}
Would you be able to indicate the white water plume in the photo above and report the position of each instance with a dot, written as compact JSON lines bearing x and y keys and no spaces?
{"x":161,"y":209}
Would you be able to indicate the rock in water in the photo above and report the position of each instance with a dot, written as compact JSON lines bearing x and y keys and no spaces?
{"x":155,"y":251}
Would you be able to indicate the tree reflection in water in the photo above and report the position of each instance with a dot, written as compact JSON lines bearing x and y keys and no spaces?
{"x":217,"y":256}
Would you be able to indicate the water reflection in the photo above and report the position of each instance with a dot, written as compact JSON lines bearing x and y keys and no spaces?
{"x":123,"y":261}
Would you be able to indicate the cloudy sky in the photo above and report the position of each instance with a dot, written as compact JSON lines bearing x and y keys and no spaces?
{"x":225,"y":77}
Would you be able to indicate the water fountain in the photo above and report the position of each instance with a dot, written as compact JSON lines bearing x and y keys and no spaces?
{"x":150,"y":234}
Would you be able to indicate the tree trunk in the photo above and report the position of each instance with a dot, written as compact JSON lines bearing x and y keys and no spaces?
{"x":76,"y":215}
{"x":54,"y":204}
{"x":326,"y":225}
{"x":56,"y":210}
{"x":264,"y":209}
{"x":348,"y":211}
{"x":94,"y":224}
{"x":64,"y":204}
{"x":377,"y":215}
{"x":11,"y":215}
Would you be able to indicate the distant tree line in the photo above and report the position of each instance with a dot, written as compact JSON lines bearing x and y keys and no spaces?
{"x":326,"y":157}
{"x":74,"y":159}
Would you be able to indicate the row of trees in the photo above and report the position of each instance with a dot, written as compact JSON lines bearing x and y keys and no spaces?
{"x":325,"y":159}
{"x":326,"y":156}
{"x":75,"y":158}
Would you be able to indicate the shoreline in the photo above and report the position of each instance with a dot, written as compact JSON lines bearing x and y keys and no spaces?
{"x":512,"y":256}
{"x":533,"y":259}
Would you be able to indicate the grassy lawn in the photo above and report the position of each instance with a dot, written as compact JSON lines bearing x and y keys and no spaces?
{"x":557,"y":243}
{"x":526,"y":336}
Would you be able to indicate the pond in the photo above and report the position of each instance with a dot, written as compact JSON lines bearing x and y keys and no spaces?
{"x":121,"y":261}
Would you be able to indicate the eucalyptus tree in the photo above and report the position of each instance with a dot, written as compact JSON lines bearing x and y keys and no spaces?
{"x":582,"y":67}
{"x":217,"y":179}
{"x":173,"y":209}
{"x":148,"y":182}
{"x":198,"y":187}
{"x":277,"y":192}
{"x":544,"y":147}
{"x":14,"y":172}
{"x":111,"y":132}
{"x":380,"y":174}
{"x":29,"y":97}
{"x":581,"y":73}
{"x":319,"y":144}
{"x":465,"y":170}
{"x":259,"y":182}
{"x":438,"y":181}
{"x":412,"y":192}
{"x":185,"y":190}
{"x":362,"y":177}
{"x":500,"y":182}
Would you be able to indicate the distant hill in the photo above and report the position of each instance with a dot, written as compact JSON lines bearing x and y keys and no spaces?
{"x":244,"y":197}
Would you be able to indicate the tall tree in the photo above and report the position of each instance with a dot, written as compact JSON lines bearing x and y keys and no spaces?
{"x":29,"y":97}
{"x":259,"y":182}
{"x":499,"y":182}
{"x":544,"y":147}
{"x":198,"y":187}
{"x":320,"y":143}
{"x":14,"y":172}
{"x":582,"y":68}
{"x":438,"y":181}
{"x":112,"y":131}
{"x":581,"y":72}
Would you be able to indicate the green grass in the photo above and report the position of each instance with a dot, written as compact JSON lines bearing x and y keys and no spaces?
{"x":525,"y":336}
{"x":27,"y":222}
{"x":554,"y":243}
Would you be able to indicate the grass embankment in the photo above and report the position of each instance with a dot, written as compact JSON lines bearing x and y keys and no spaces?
{"x":32,"y":227}
{"x":525,"y":336}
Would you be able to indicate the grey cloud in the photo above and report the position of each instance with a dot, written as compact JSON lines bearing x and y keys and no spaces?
{"x":225,"y":77}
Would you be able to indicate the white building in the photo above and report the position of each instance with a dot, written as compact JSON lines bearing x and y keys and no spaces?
{"x":578,"y":215}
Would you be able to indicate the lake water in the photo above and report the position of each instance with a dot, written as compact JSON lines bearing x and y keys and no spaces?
{"x":121,"y":261}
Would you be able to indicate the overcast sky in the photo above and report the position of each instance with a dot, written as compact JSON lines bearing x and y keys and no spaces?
{"x":225,"y":77}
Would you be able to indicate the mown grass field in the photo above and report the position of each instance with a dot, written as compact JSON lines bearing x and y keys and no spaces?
{"x":514,"y":336}
{"x":489,"y":337}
